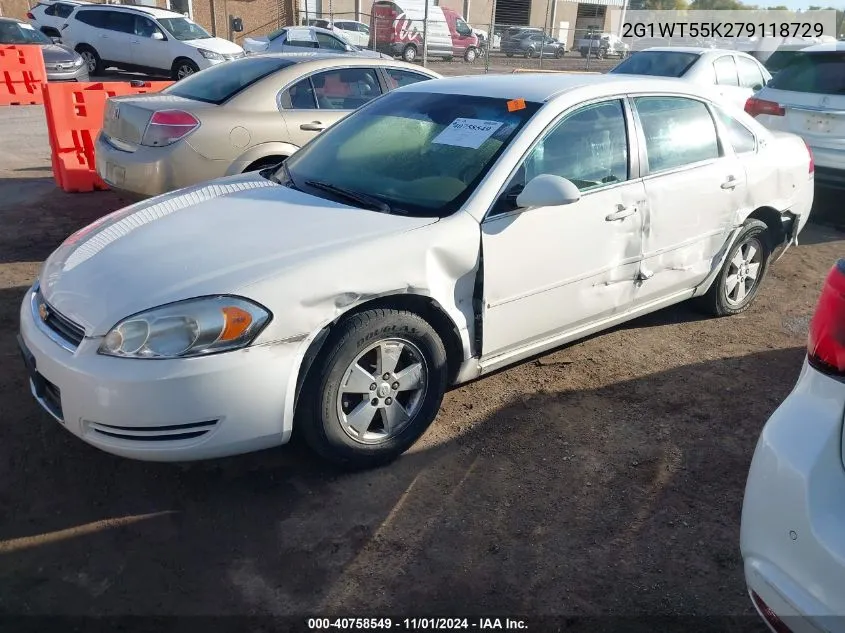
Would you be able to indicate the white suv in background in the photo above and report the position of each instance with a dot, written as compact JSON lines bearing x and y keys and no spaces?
{"x":48,"y":17}
{"x":807,"y":97}
{"x":143,"y":39}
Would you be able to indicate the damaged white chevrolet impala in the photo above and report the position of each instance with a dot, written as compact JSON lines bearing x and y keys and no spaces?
{"x":441,"y":232}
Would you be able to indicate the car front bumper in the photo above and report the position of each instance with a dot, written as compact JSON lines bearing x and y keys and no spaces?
{"x":150,"y":171}
{"x":162,"y":410}
{"x":793,"y":517}
{"x":71,"y":74}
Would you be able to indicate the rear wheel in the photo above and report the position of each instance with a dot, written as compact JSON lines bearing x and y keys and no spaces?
{"x":376,"y":389}
{"x":183,"y":68}
{"x":742,"y":273}
{"x":409,"y":54}
{"x":529,"y":53}
{"x":264,"y":163}
{"x":91,"y":58}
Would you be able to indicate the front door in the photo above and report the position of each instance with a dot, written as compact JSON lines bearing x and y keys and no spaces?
{"x":550,"y":270}
{"x":693,"y":187}
{"x":146,"y":49}
{"x":316,"y":102}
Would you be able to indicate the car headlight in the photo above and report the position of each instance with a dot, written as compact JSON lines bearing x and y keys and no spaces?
{"x":195,"y":327}
{"x":210,"y":54}
{"x":78,"y":61}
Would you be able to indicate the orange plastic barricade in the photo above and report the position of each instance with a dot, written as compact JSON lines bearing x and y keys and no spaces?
{"x":74,"y":119}
{"x":21,"y":75}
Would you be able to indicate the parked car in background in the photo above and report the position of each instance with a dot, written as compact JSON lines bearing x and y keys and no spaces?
{"x":354,"y":32}
{"x":263,"y":107}
{"x":533,"y":44}
{"x":396,"y":28}
{"x":60,"y":62}
{"x":792,"y":535}
{"x":513,"y":32}
{"x":296,"y":39}
{"x":807,"y":97}
{"x":736,"y":75}
{"x":602,"y":45}
{"x":144,"y":39}
{"x":48,"y":17}
{"x":219,"y":317}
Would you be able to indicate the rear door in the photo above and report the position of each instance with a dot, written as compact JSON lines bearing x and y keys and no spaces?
{"x":811,"y":92}
{"x":317,"y":101}
{"x":727,"y":80}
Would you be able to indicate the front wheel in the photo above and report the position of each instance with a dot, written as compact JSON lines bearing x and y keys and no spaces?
{"x":376,"y":389}
{"x":508,"y":54}
{"x":92,"y":60}
{"x":559,"y":53}
{"x":183,"y":68}
{"x":410,"y":53}
{"x":742,"y":273}
{"x":470,"y":56}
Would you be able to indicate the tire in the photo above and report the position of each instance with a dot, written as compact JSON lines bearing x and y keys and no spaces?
{"x":264,"y":163}
{"x":529,"y":53}
{"x":471,"y":55}
{"x":92,"y":59}
{"x":183,"y":68}
{"x":323,"y":419}
{"x":508,"y":54}
{"x":723,"y":297}
{"x":409,"y":53}
{"x":583,"y":54}
{"x":559,"y":53}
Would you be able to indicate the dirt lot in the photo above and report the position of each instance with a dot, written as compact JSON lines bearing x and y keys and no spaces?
{"x":603,"y":479}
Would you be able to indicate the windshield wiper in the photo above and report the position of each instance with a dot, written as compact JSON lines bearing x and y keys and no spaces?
{"x":355,"y":196}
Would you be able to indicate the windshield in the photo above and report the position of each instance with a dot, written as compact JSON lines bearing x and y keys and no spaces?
{"x":223,"y":81}
{"x":657,"y":64}
{"x":432,"y":150}
{"x":817,"y":73}
{"x":184,"y":29}
{"x":20,"y":33}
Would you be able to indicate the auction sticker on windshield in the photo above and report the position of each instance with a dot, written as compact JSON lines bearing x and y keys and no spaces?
{"x":467,"y":132}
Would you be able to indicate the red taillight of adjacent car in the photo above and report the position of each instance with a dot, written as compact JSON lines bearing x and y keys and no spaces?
{"x":29,"y":15}
{"x":168,"y":126}
{"x":812,"y":160}
{"x":770,"y":616}
{"x":826,"y":340}
{"x":756,"y":107}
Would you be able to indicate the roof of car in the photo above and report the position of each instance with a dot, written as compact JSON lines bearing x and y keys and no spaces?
{"x":696,"y":50}
{"x":339,"y":58}
{"x":151,"y":11}
{"x":527,"y":86}
{"x":827,"y":47}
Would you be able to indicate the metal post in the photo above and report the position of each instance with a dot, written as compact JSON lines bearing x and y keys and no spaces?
{"x":425,"y":35}
{"x":490,"y":37}
{"x":622,"y":17}
{"x":545,"y":26}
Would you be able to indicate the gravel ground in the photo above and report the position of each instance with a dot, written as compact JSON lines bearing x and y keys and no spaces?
{"x":605,"y":478}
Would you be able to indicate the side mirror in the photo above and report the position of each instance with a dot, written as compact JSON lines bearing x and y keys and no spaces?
{"x":547,"y":190}
{"x":158,"y":35}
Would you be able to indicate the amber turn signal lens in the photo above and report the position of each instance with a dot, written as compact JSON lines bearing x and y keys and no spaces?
{"x":237,"y":322}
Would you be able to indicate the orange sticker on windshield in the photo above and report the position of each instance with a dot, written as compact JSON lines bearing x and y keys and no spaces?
{"x":516,"y":104}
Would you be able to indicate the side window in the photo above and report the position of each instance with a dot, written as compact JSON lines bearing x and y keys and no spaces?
{"x":678,"y":132}
{"x":750,"y":75}
{"x":345,"y":89}
{"x":462,"y":27}
{"x":302,"y":38}
{"x":740,"y":137}
{"x":63,"y":10}
{"x":51,"y":10}
{"x":725,"y":71}
{"x":397,"y":78}
{"x":588,"y":147}
{"x":327,"y":41}
{"x":300,"y":96}
{"x":92,"y":18}
{"x":363,"y":28}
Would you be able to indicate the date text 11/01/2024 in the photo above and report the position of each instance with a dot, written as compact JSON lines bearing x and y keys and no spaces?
{"x":722,"y":29}
{"x":413,"y":624}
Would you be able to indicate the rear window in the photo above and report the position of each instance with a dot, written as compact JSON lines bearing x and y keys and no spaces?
{"x":222,"y":82}
{"x":657,"y":64}
{"x":818,"y":73}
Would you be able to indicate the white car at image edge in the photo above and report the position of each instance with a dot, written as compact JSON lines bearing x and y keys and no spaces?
{"x":342,"y":291}
{"x":793,"y":515}
{"x":143,"y":39}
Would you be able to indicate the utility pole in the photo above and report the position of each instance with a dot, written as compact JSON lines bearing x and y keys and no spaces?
{"x":622,"y":18}
{"x":425,"y":35}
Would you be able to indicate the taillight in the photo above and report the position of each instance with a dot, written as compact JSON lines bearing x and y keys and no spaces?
{"x":812,"y":160}
{"x":756,"y":107}
{"x":826,"y":339}
{"x":29,"y":15}
{"x":770,"y":616}
{"x":168,"y":126}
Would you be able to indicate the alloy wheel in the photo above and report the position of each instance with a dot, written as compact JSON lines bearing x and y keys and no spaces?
{"x":744,"y":271}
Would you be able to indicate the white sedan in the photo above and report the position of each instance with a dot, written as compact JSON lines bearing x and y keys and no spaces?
{"x":341,"y":293}
{"x":734,"y":74}
{"x":793,"y":516}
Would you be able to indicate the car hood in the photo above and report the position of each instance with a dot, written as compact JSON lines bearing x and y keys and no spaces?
{"x":215,"y":45}
{"x":213,"y":238}
{"x":256,"y":44}
{"x":57,"y":54}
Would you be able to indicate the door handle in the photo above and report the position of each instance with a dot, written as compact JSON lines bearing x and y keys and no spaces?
{"x":621,"y":212}
{"x":314,"y":126}
{"x":730,"y":183}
